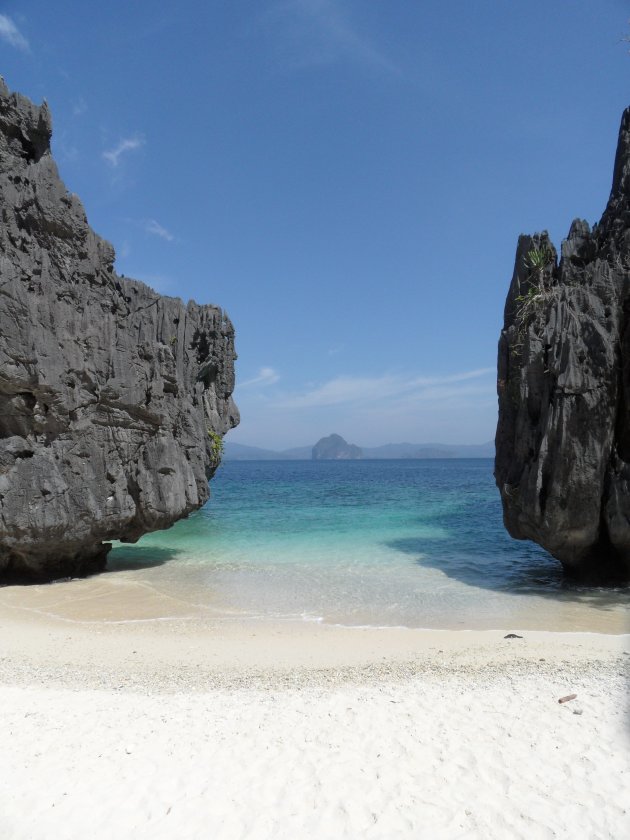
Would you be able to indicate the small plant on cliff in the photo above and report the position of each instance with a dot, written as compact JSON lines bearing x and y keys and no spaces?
{"x":537,"y":261}
{"x":216,"y":448}
{"x":539,"y":258}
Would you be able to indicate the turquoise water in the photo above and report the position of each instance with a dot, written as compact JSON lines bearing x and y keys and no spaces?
{"x":379,"y":543}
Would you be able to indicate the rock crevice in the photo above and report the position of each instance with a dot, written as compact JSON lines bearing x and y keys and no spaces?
{"x":563,"y":437}
{"x":109,"y":392}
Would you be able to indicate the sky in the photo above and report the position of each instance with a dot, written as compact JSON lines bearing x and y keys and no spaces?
{"x":346,"y":178}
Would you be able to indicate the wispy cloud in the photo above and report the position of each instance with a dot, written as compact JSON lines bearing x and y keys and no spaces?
{"x":348,"y":390}
{"x":66,"y":148}
{"x":156,"y":229}
{"x":266,"y":376}
{"x":12,"y":35}
{"x":457,"y":408}
{"x":323,"y":33}
{"x":79,"y":107}
{"x":129,"y":144}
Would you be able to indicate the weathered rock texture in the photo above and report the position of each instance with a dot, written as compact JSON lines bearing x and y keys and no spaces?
{"x":108,"y":391}
{"x":563,"y":438}
{"x":335,"y":448}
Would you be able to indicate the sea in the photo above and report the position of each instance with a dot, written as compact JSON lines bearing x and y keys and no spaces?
{"x":401,"y":543}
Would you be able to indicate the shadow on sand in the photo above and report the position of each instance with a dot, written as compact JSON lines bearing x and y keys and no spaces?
{"x":527,"y":569}
{"x":123,"y":558}
{"x":133,"y":558}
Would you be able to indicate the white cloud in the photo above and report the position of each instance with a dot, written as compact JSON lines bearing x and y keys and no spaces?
{"x":266,"y":376}
{"x":156,"y":229}
{"x":129,"y":144}
{"x":348,"y":390}
{"x":323,"y":33}
{"x":12,"y":35}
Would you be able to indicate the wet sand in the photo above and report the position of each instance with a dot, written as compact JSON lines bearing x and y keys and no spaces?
{"x":135,"y":596}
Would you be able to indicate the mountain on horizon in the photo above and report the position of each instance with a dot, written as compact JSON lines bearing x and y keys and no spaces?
{"x":388,"y":451}
{"x":335,"y":448}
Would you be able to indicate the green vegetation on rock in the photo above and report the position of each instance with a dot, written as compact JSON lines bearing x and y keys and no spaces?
{"x":216,"y":447}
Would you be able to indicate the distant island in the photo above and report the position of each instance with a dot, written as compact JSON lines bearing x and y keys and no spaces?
{"x":389,"y":451}
{"x":335,"y":448}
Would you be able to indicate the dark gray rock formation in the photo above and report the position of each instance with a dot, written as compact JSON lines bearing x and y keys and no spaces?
{"x":335,"y":448}
{"x":111,"y":396}
{"x":563,"y":437}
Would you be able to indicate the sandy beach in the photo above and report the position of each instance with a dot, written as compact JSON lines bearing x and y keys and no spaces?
{"x":315,"y":417}
{"x":178,"y":729}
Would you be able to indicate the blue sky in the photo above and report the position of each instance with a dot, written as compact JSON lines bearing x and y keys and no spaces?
{"x":347,"y":178}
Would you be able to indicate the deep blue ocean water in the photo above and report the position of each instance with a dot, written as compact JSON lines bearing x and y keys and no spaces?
{"x":382,"y":543}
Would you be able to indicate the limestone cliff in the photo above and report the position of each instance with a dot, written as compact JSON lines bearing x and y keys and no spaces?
{"x":563,"y":437}
{"x":111,"y":396}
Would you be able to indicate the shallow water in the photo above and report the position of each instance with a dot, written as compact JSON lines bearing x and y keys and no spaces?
{"x":378,"y":543}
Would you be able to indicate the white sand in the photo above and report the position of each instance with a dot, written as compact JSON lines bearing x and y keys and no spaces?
{"x":167,"y":730}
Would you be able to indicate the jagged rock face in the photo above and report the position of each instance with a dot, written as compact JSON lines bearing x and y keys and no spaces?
{"x":335,"y":448}
{"x":563,"y":437}
{"x":111,"y":396}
